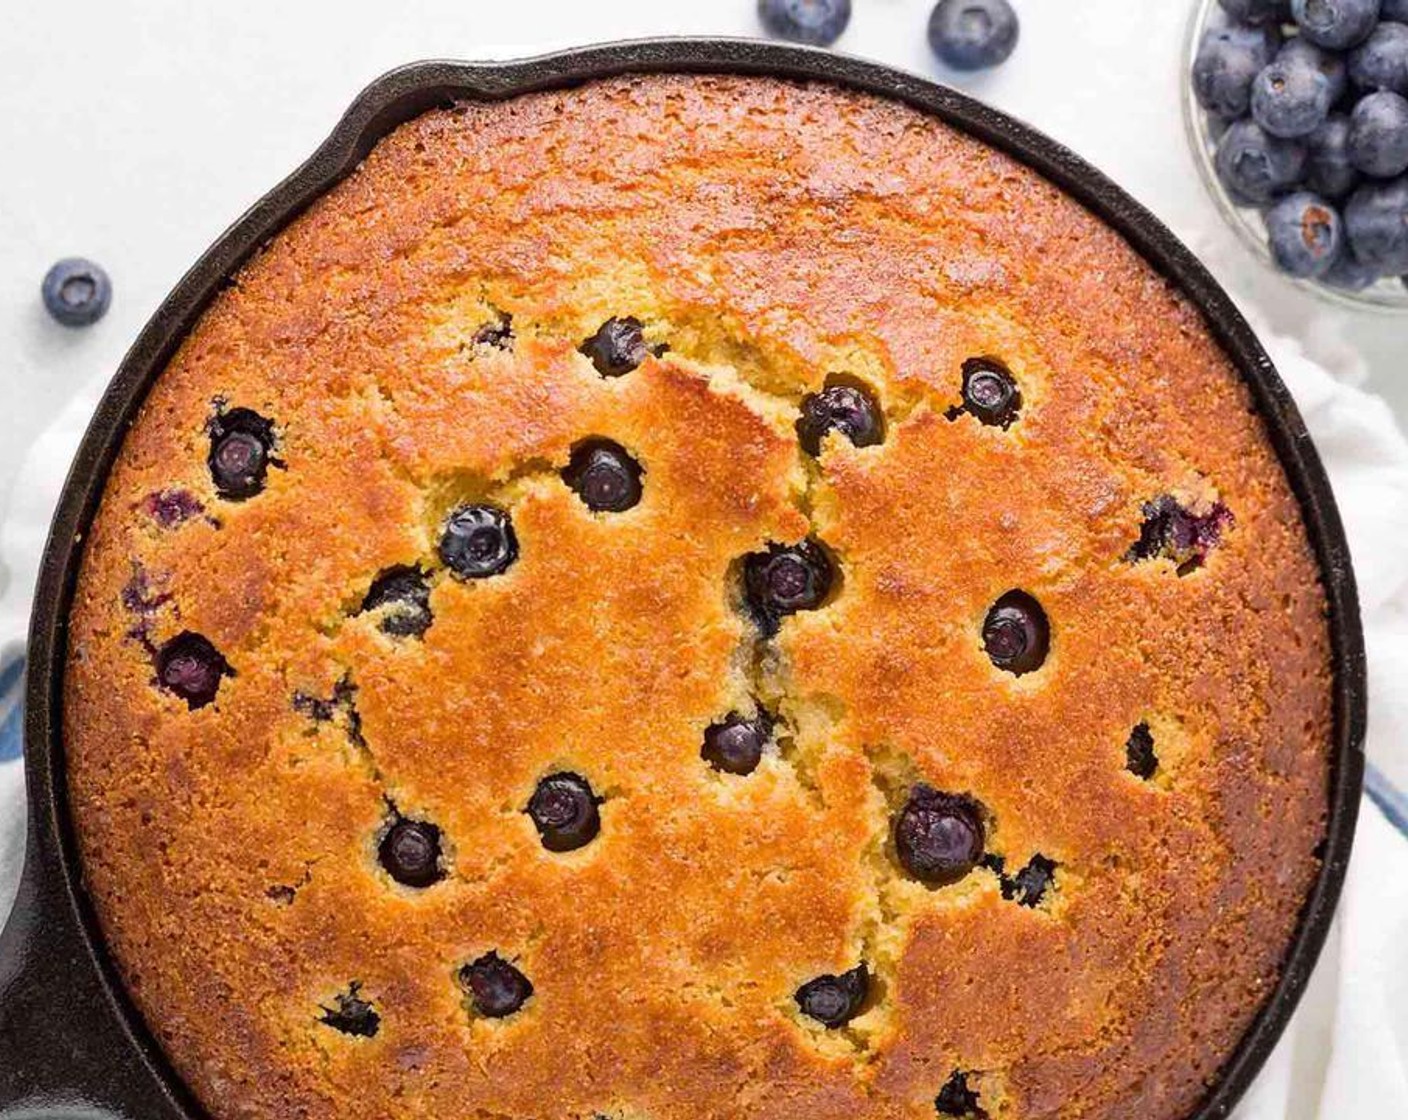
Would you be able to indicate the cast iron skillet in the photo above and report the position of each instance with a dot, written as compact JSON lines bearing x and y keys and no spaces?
{"x":71,"y":1043}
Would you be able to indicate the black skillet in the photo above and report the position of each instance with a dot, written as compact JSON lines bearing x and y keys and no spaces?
{"x":71,"y":1042}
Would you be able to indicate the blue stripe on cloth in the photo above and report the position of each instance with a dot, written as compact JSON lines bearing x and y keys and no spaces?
{"x":12,"y":710}
{"x":1391,"y":800}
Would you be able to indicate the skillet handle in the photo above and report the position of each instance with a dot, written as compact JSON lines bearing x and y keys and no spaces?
{"x":65,"y":1048}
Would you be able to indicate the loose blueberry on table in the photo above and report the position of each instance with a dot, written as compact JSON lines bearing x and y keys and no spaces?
{"x":564,"y":810}
{"x":410,"y":853}
{"x":818,"y":23}
{"x":352,"y":1014}
{"x":76,"y":292}
{"x":241,"y":452}
{"x":190,"y":666}
{"x":973,"y":34}
{"x":1016,"y":633}
{"x":845,"y":408}
{"x":735,"y":744}
{"x":478,"y":541}
{"x":604,"y":476}
{"x":403,"y":596}
{"x":496,"y":988}
{"x":938,"y":836}
{"x":833,"y":1001}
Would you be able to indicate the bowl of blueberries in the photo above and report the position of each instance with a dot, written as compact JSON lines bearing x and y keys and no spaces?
{"x":1298,"y":115}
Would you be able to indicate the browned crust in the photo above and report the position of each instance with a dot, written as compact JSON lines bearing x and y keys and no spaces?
{"x":770,"y":233}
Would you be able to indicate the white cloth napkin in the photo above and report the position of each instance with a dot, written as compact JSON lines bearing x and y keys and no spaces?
{"x":1345,"y":1054}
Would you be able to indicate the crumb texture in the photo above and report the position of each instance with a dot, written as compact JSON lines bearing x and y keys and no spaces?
{"x":471,"y":480}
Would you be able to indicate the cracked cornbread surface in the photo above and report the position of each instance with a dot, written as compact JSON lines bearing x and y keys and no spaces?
{"x":971,"y":765}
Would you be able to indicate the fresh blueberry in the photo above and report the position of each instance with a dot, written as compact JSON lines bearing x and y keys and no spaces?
{"x":816,"y":22}
{"x":1305,"y":234}
{"x":1016,"y":634}
{"x":618,"y":347}
{"x":353,"y":1015}
{"x":190,"y":666}
{"x":410,"y":853}
{"x":1378,"y":134}
{"x":564,"y":809}
{"x":1298,"y":51}
{"x":403,"y":596}
{"x":1290,"y":98}
{"x":1336,"y":24}
{"x":1228,"y":59}
{"x":973,"y":34}
{"x":1395,"y":11}
{"x":989,"y":392}
{"x":1381,"y":61}
{"x":1173,"y":532}
{"x":604,"y":476}
{"x":496,"y":989}
{"x":786,"y":579}
{"x":1139,"y":757}
{"x":76,"y":292}
{"x":1258,"y":11}
{"x":1349,"y":274}
{"x":1031,"y":883}
{"x":735,"y":744}
{"x":1328,"y":171}
{"x":938,"y":836}
{"x":833,"y":1001}
{"x":848,"y":409}
{"x":956,"y":1099}
{"x":1255,"y":166}
{"x":1376,"y":222}
{"x":478,"y":542}
{"x":241,"y":452}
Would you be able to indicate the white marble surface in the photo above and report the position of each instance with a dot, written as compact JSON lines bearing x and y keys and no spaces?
{"x":134,"y":132}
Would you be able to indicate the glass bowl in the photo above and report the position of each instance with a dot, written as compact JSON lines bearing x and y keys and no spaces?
{"x":1387,"y":296}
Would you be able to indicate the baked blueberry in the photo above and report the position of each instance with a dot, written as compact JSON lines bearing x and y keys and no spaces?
{"x":241,"y":452}
{"x":1029,"y":886}
{"x":1172,"y":531}
{"x":1291,"y":98}
{"x":1349,"y":274}
{"x":1329,"y":172}
{"x":818,"y":23}
{"x":618,"y":346}
{"x":1228,"y":61}
{"x":956,"y":1099}
{"x":973,"y":34}
{"x":478,"y":541}
{"x":833,"y":1001}
{"x":497,"y":332}
{"x":410,"y":853}
{"x":786,"y":579}
{"x":845,"y":408}
{"x":1139,"y":757}
{"x":1378,"y":134}
{"x":1016,"y":633}
{"x":76,"y":292}
{"x":1258,"y":11}
{"x":1255,"y":166}
{"x":352,"y":1014}
{"x":938,"y":836}
{"x":495,"y":988}
{"x":735,"y":744}
{"x":1376,"y":223}
{"x":1305,"y":234}
{"x":190,"y":666}
{"x":403,"y":596}
{"x":604,"y":476}
{"x":989,"y":392}
{"x":564,"y":809}
{"x":171,"y":507}
{"x":1336,"y":24}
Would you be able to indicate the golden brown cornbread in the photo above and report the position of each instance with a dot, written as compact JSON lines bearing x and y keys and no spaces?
{"x":769,"y":234}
